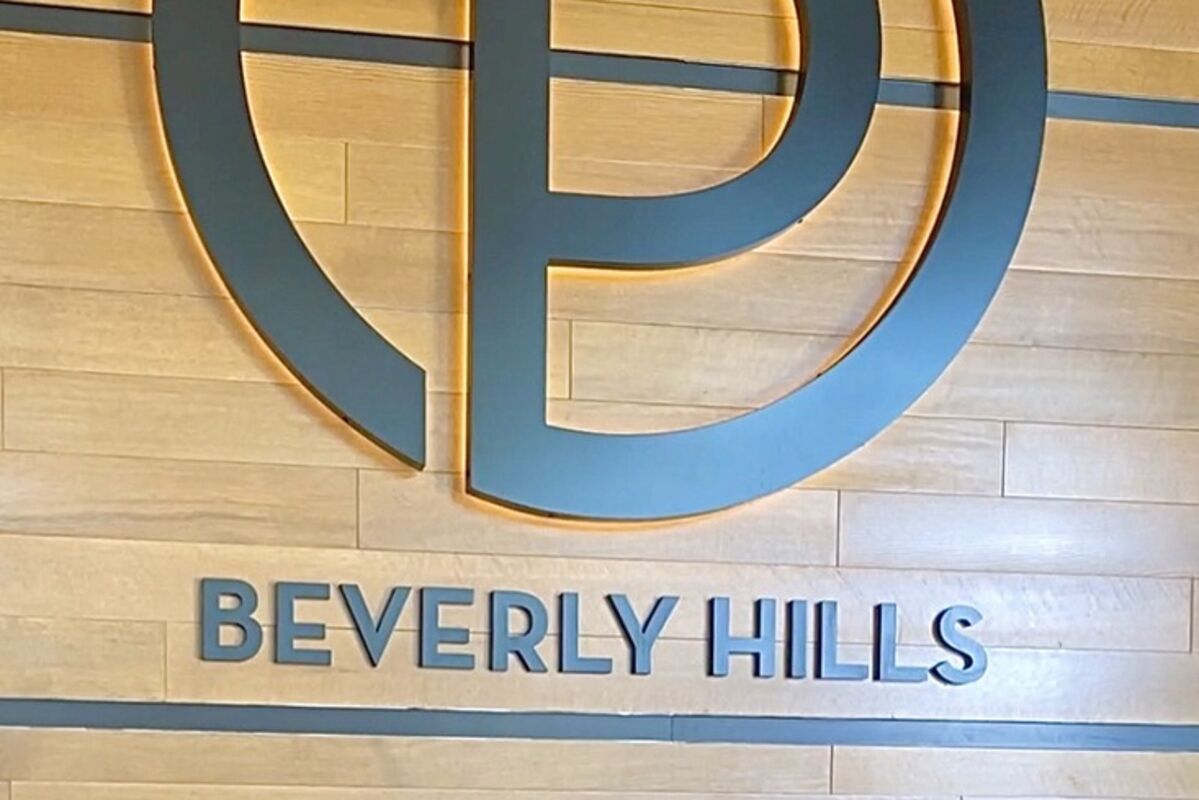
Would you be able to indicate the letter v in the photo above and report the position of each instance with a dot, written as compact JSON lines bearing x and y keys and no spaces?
{"x":374,"y":635}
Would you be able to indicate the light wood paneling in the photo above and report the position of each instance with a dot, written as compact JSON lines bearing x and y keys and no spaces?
{"x":125,"y":167}
{"x":690,"y":366}
{"x":77,"y":756}
{"x":922,"y":455}
{"x":1096,"y":387}
{"x":1103,"y":463}
{"x":1061,"y":536}
{"x":434,"y":514}
{"x":95,"y":791}
{"x":175,"y":418}
{"x":181,"y":500}
{"x":134,"y":485}
{"x":1068,"y":683}
{"x":1128,"y":55}
{"x":128,"y":333}
{"x":1020,"y":610}
{"x":1100,"y":312}
{"x":1016,"y":773}
{"x":90,"y":247}
{"x":968,"y":454}
{"x":68,"y":658}
{"x":1032,"y":308}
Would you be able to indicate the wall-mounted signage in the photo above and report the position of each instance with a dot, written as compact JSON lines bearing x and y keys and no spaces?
{"x":233,"y":629}
{"x":520,"y":228}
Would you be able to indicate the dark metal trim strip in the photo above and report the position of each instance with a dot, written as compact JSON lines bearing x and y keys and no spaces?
{"x":693,"y":729}
{"x":443,"y":54}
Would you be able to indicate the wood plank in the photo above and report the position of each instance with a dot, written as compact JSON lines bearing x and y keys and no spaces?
{"x":126,"y":166}
{"x":968,"y":453}
{"x":1119,"y":64}
{"x":144,"y":252}
{"x":177,"y":500}
{"x":92,"y":247}
{"x":176,"y":336}
{"x":434,"y":514}
{"x":178,"y":418}
{"x":1020,"y":685}
{"x":127,"y":791}
{"x":923,"y":455}
{"x":691,"y":366}
{"x":800,"y":294}
{"x":145,"y":334}
{"x":1106,"y":236}
{"x":1093,"y":387}
{"x":75,"y":659}
{"x":1163,"y":24}
{"x":1009,"y":534}
{"x":1102,"y":463}
{"x":1020,"y":610}
{"x":336,"y":761}
{"x":1016,"y":773}
{"x":1094,"y":311}
{"x":139,"y":6}
{"x":414,"y":106}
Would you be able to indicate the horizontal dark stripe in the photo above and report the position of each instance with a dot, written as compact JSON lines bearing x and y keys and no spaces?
{"x":669,"y":72}
{"x":120,"y":26}
{"x":1106,"y":108}
{"x":425,"y":52}
{"x":219,"y":718}
{"x":405,"y":50}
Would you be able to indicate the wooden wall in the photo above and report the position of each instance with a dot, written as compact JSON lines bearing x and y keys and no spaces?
{"x":1051,"y":478}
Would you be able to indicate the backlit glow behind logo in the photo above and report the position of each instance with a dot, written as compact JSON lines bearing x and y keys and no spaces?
{"x":519,"y":228}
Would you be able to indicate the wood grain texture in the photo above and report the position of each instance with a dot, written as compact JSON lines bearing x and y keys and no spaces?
{"x":1093,"y":387}
{"x":1011,"y":534}
{"x":1021,"y":610}
{"x":152,"y":440}
{"x":97,"y":791}
{"x":1016,"y":773}
{"x":124,"y":166}
{"x":359,"y":762}
{"x":237,"y":421}
{"x":1150,"y":52}
{"x":1068,"y":683}
{"x":74,"y":659}
{"x":1103,"y":463}
{"x":435,"y":514}
{"x":180,"y":500}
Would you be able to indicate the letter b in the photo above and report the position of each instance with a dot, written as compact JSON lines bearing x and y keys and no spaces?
{"x":241,"y":616}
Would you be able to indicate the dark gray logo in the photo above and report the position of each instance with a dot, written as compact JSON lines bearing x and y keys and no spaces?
{"x":520,"y":227}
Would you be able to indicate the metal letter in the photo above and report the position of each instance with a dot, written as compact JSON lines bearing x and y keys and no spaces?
{"x":827,"y":666}
{"x":521,"y":227}
{"x":524,"y":646}
{"x":374,"y":636}
{"x":288,"y":631}
{"x":569,"y":660}
{"x":241,"y":616}
{"x":973,"y":654}
{"x":886,"y":649}
{"x":722,"y":644}
{"x":797,"y":639}
{"x":433,"y":635}
{"x":641,"y":638}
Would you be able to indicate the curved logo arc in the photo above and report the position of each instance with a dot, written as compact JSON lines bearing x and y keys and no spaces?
{"x":520,"y":227}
